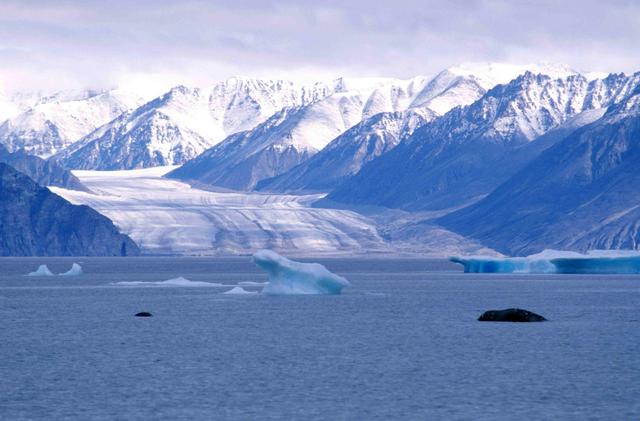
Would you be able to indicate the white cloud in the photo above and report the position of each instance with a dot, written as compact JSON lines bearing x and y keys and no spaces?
{"x":96,"y":44}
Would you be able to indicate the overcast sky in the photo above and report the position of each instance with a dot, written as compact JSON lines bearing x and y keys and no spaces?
{"x":63,"y":44}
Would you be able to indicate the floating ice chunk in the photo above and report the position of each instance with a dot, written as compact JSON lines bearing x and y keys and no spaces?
{"x":289,"y":277}
{"x":175,"y":282}
{"x":252,"y":284}
{"x":555,"y":261}
{"x":76,"y":270}
{"x":480,"y":264}
{"x":239,"y":291}
{"x":599,"y":263}
{"x":43,"y":270}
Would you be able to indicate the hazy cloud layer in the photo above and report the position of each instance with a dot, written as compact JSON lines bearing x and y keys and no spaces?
{"x":96,"y":43}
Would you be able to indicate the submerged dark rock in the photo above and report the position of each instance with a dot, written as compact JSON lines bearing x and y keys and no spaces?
{"x":510,"y":315}
{"x":144,"y":314}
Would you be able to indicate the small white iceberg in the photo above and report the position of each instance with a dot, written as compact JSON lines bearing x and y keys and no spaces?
{"x":76,"y":270}
{"x":239,"y":291}
{"x":43,"y":270}
{"x":287,"y":277}
{"x":174,"y":282}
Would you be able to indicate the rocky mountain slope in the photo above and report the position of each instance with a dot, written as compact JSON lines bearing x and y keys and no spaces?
{"x":469,"y":151}
{"x":346,"y":154}
{"x":36,"y":222}
{"x":580,"y":194}
{"x":43,"y":172}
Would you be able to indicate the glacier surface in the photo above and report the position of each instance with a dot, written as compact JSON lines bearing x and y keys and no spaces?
{"x":555,"y":261}
{"x":170,"y":217}
{"x":287,"y":277}
{"x":165,"y":216}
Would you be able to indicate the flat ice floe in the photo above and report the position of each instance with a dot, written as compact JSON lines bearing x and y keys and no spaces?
{"x":287,"y":277}
{"x":42,"y":270}
{"x":175,"y":282}
{"x":555,"y":261}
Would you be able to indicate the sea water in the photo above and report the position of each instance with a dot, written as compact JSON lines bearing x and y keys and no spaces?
{"x":402,"y":342}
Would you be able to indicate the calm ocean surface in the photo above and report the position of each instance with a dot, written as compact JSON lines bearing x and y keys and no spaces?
{"x":402,"y":343}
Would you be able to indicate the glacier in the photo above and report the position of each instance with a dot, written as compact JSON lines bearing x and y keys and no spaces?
{"x":556,"y":261}
{"x":165,"y":216}
{"x":42,"y":270}
{"x":76,"y":270}
{"x":287,"y":277}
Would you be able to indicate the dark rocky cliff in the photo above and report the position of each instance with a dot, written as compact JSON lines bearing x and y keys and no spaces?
{"x":43,"y":172}
{"x":36,"y":222}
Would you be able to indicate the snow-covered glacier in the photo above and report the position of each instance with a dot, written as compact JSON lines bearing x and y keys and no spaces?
{"x":555,"y":261}
{"x":170,"y":217}
{"x":287,"y":277}
{"x":165,"y":216}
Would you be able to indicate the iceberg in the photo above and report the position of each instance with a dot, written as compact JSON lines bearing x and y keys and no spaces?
{"x":556,"y":261}
{"x":287,"y":277}
{"x":43,"y":270}
{"x":619,"y":262}
{"x":239,"y":291}
{"x":76,"y":270}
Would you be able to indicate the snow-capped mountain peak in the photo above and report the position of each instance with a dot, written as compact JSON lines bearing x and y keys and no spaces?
{"x":185,"y":121}
{"x":491,"y":74}
{"x":56,"y":121}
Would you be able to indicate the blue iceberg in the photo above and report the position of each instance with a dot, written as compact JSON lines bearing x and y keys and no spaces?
{"x":287,"y":277}
{"x":76,"y":270}
{"x":555,"y":261}
{"x":42,"y":270}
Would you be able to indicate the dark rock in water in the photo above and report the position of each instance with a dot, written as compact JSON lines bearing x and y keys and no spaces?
{"x":144,"y":314}
{"x":510,"y":315}
{"x":36,"y":222}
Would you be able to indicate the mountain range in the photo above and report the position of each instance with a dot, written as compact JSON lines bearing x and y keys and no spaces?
{"x":245,"y":160}
{"x":469,"y":151}
{"x":477,"y":150}
{"x":580,"y":194}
